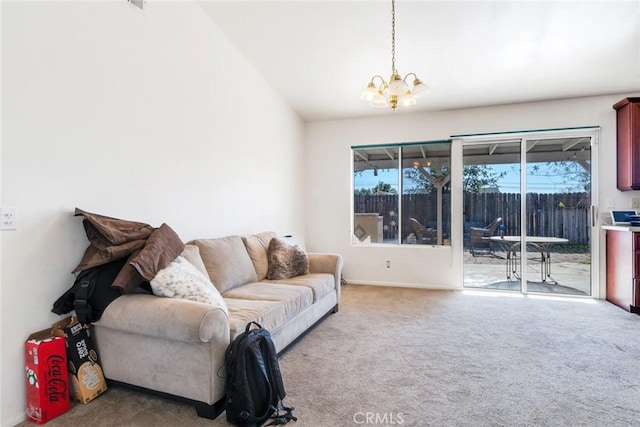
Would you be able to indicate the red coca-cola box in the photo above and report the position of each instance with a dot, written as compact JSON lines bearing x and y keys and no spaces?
{"x":47,"y":379}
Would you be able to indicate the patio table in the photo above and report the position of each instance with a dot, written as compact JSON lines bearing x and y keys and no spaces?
{"x":541,"y":243}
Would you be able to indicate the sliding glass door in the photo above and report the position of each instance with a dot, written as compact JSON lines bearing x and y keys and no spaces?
{"x":492,"y":200}
{"x":528,"y":214}
{"x":558,"y":215}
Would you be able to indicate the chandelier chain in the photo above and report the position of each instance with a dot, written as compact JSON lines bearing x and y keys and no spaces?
{"x":393,"y":37}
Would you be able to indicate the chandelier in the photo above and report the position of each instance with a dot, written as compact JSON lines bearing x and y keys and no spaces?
{"x":396,"y":91}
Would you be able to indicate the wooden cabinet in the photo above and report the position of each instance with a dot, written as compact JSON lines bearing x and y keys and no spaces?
{"x":623,"y":269}
{"x":628,"y":143}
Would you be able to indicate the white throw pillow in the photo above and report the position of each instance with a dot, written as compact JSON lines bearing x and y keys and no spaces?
{"x":180,"y":279}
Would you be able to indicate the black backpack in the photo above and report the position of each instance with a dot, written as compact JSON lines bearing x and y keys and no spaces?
{"x":253,"y":382}
{"x":91,"y":292}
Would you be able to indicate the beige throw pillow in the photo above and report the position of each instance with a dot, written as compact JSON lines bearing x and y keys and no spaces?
{"x":192,"y":254}
{"x":286,"y":261}
{"x":227,"y":262}
{"x":257,"y":245}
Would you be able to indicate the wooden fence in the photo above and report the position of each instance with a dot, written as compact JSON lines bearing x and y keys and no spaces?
{"x":564,"y":215}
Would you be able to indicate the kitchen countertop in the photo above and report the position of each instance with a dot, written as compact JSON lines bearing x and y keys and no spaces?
{"x":621,"y":228}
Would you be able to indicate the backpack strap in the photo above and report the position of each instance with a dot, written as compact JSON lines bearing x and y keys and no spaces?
{"x":83,"y":292}
{"x":274,"y":366}
{"x":245,"y":414}
{"x":64,"y":304}
{"x":248,"y":328}
{"x":282,"y":418}
{"x":283,"y":414}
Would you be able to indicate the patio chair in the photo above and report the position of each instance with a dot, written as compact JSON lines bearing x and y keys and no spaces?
{"x":425,"y":236}
{"x":481,"y":235}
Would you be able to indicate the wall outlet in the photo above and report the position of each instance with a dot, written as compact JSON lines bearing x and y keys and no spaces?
{"x":388,"y":264}
{"x":635,"y":202}
{"x":8,"y":218}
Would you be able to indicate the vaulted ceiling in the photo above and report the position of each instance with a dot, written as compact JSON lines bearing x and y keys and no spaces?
{"x":319,"y":55}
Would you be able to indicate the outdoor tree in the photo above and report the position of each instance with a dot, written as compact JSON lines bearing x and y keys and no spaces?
{"x":575,"y":176}
{"x":381,"y":187}
{"x":474,"y":178}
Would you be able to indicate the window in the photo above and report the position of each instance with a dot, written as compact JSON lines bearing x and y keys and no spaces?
{"x":402,"y":194}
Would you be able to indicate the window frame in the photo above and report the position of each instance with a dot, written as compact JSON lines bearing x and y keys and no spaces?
{"x":399,"y":161}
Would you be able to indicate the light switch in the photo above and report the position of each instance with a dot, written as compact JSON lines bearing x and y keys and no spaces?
{"x":8,"y":218}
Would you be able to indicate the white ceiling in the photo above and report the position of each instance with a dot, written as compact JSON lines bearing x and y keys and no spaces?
{"x":319,"y":55}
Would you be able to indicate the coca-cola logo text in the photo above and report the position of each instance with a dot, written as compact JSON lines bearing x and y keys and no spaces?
{"x":56,"y":383}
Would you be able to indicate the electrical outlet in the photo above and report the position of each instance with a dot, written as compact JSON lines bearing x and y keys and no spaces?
{"x":388,"y":264}
{"x":8,"y":218}
{"x":635,"y":202}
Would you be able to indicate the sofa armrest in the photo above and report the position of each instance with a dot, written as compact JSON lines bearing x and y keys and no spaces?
{"x":167,"y":318}
{"x":329,"y":264}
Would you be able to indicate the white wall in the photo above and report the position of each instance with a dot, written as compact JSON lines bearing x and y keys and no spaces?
{"x":153,"y":117}
{"x":1,"y":133}
{"x":329,"y":180}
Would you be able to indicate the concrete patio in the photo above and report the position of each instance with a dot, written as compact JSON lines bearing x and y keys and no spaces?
{"x":570,"y":272}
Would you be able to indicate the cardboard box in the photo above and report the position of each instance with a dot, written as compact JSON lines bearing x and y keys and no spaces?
{"x":85,"y":374}
{"x":47,"y":382}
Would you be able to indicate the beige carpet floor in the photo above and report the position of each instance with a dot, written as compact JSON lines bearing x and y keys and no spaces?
{"x":415,"y":357}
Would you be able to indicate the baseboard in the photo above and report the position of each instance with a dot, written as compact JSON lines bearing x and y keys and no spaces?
{"x":403,"y":285}
{"x":14,"y":420}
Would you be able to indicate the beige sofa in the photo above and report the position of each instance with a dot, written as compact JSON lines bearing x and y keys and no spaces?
{"x":176,"y":347}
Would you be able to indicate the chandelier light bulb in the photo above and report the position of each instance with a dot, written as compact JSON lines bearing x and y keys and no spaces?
{"x":397,"y":86}
{"x":379,"y":101}
{"x":406,"y":100}
{"x":369,"y":92}
{"x":419,"y":89}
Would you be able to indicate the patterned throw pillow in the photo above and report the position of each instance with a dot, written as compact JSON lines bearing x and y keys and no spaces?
{"x":180,"y":279}
{"x":286,"y":261}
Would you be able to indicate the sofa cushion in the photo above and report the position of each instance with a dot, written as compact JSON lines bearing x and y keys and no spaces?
{"x":269,"y":314}
{"x":180,"y":279}
{"x":294,"y":298}
{"x":192,"y":254}
{"x":257,"y":245}
{"x":286,"y":260}
{"x":320,"y":283}
{"x":227,"y":262}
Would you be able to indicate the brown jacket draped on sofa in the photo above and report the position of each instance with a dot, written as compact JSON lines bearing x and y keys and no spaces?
{"x":148,"y":249}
